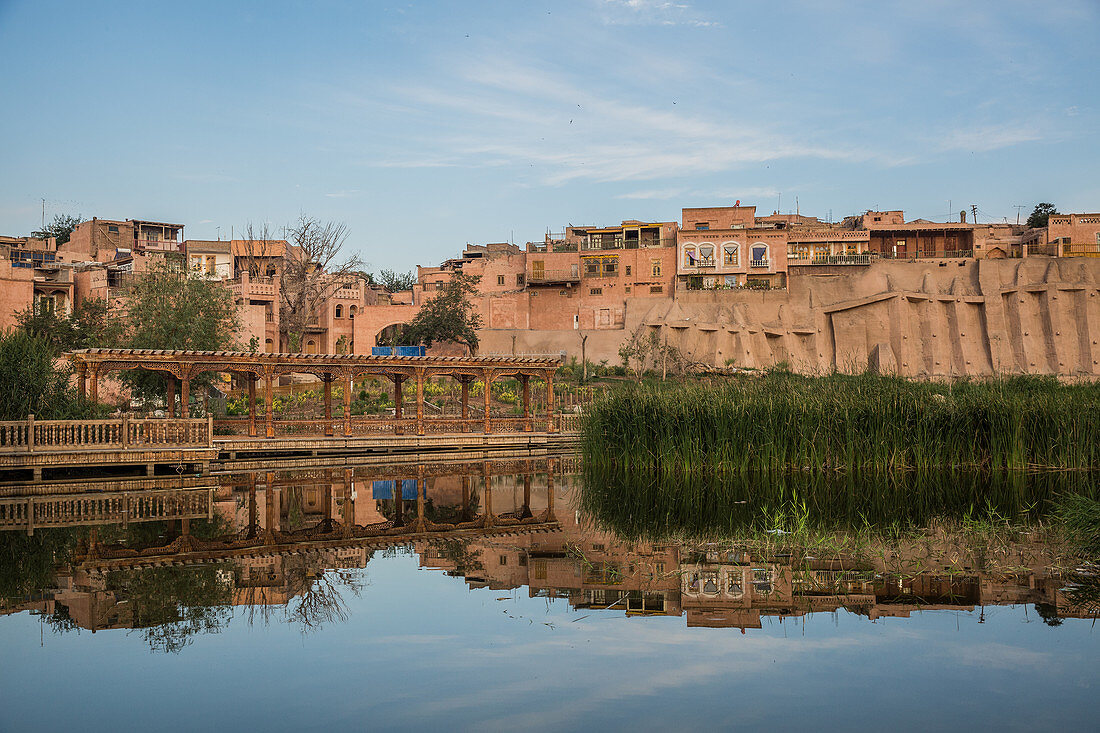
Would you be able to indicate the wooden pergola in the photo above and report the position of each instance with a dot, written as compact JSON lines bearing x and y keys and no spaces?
{"x":182,"y":366}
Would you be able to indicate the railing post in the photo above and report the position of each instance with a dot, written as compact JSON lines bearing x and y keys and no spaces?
{"x":326,"y":380}
{"x":550,"y":402}
{"x":419,"y":400}
{"x":251,"y":405}
{"x":398,"y":404}
{"x":525,"y":380}
{"x":209,"y":431}
{"x":348,"y":383}
{"x":486,"y":379}
{"x":125,"y":430}
{"x":30,"y":433}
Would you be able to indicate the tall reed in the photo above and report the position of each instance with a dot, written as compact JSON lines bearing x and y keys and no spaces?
{"x":783,"y":421}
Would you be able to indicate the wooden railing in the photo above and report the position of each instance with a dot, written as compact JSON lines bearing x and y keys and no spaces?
{"x":569,"y":423}
{"x":391,"y":426}
{"x":27,"y":436}
{"x":69,"y":510}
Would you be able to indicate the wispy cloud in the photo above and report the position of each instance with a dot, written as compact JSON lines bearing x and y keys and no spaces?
{"x":653,"y":12}
{"x":982,"y":139}
{"x":345,"y":194}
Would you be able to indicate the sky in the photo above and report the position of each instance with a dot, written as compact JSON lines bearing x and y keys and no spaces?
{"x":425,"y":126}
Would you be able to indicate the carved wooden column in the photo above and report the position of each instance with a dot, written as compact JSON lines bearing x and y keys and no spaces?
{"x":464,"y":513}
{"x":526,"y":510}
{"x":326,"y":379}
{"x":525,"y":380}
{"x":269,"y":508}
{"x":550,"y":427}
{"x":486,"y":379}
{"x":82,"y":372}
{"x":93,"y":391}
{"x":349,"y":503}
{"x":465,"y":402}
{"x":347,"y":404}
{"x":185,"y":392}
{"x":487,"y":518}
{"x":251,"y":404}
{"x":398,"y":503}
{"x":420,"y":400}
{"x":398,"y":404}
{"x":171,"y":396}
{"x":269,"y":402}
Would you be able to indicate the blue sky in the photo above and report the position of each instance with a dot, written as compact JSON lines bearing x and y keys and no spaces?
{"x":428,"y":125}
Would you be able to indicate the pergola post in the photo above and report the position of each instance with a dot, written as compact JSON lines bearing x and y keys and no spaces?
{"x":550,"y":490}
{"x":82,"y":371}
{"x":326,"y":379}
{"x":465,"y":402}
{"x":93,"y":391}
{"x":398,"y":404}
{"x":487,"y":518}
{"x":251,"y":405}
{"x":420,"y":400}
{"x":269,"y":403}
{"x":526,"y":510}
{"x":486,"y":380}
{"x":465,"y":513}
{"x":171,"y":397}
{"x":185,"y":393}
{"x":525,"y":380}
{"x":269,"y":508}
{"x":347,"y":404}
{"x":349,"y":503}
{"x":550,"y":427}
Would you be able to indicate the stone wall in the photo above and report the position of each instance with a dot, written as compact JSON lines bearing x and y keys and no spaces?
{"x":947,"y":318}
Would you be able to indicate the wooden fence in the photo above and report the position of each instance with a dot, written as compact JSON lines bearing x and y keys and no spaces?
{"x":30,"y":435}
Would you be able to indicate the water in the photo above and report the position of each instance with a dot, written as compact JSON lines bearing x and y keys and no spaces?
{"x":537,"y":621}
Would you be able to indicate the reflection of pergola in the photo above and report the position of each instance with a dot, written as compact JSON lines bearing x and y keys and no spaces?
{"x":183,"y":366}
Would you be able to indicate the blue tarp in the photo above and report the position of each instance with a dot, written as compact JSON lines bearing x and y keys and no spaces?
{"x":397,"y":351}
{"x":384,"y":489}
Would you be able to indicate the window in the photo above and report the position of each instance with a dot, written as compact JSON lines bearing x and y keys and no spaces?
{"x":733,"y":585}
{"x":731,"y":281}
{"x":269,"y":346}
{"x":538,"y":269}
{"x":211,"y":264}
{"x":112,"y":229}
{"x":592,"y":266}
{"x":500,"y":279}
{"x":689,"y":256}
{"x":730,"y":251}
{"x":760,"y":255}
{"x":519,"y":280}
{"x":706,"y":255}
{"x":576,"y":321}
{"x":627,"y":288}
{"x":352,"y":311}
{"x":702,"y":226}
{"x":595,"y":291}
{"x":656,"y":288}
{"x":628,"y":270}
{"x":655,"y":267}
{"x":610,"y":266}
{"x":339,"y":311}
{"x":503,"y":559}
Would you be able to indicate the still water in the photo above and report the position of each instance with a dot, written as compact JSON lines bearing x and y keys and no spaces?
{"x":479,"y":596}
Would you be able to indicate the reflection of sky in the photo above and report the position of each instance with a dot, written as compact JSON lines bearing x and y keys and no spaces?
{"x":422,"y":650}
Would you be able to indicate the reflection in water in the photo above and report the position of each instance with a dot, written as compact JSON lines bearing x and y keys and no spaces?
{"x":179,"y":560}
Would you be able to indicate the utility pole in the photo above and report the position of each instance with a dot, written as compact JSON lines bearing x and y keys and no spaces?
{"x":1018,"y":207}
{"x":974,"y":211}
{"x":43,"y":214}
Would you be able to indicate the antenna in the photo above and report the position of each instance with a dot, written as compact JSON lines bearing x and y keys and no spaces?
{"x":43,"y":214}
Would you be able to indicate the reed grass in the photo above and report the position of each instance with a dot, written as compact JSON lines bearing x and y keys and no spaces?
{"x":783,"y":421}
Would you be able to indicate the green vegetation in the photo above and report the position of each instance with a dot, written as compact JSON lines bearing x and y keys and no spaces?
{"x":448,"y":317}
{"x":33,"y":381}
{"x":780,"y":421}
{"x":1041,"y":214}
{"x":61,"y":226}
{"x":87,"y":326}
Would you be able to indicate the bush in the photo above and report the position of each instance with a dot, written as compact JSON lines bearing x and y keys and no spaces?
{"x":31,"y":381}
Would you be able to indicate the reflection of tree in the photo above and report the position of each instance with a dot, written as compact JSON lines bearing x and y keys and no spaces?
{"x":316,"y":599}
{"x":1049,"y":613}
{"x":173,"y":605}
{"x":458,"y":552}
{"x":27,"y":564}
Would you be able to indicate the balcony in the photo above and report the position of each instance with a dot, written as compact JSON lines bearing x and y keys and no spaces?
{"x":865,"y":258}
{"x":758,"y":264}
{"x":156,"y":245}
{"x":550,"y":277}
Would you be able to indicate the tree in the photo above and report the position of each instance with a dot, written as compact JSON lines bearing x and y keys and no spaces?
{"x":32,"y":382}
{"x":449,"y":316}
{"x":86,"y":327}
{"x":259,"y":253}
{"x":61,"y":226}
{"x":395,"y":282}
{"x":313,"y":271}
{"x":1041,"y":215}
{"x":169,"y":308}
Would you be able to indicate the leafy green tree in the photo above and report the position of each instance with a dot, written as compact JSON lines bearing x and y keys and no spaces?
{"x":449,"y":316}
{"x":32,"y":381}
{"x":1041,"y":215}
{"x":61,"y":227}
{"x":169,"y":308}
{"x":395,"y":282}
{"x":86,"y":327}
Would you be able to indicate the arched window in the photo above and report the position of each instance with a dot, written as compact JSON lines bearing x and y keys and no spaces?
{"x":339,"y":311}
{"x":760,"y":255}
{"x":689,"y":256}
{"x":269,"y":346}
{"x":311,"y":347}
{"x":730,"y":252}
{"x":352,"y":311}
{"x":706,"y":254}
